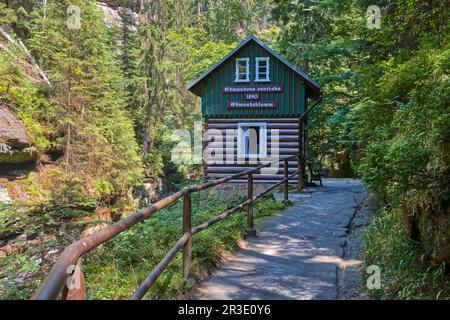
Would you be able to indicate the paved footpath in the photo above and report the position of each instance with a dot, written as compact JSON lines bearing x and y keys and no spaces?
{"x":298,"y":254}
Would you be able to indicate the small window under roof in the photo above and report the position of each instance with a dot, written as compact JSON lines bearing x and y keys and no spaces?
{"x":242,"y":70}
{"x":262,"y":69}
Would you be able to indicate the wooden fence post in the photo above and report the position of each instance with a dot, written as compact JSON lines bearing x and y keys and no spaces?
{"x":187,"y":226}
{"x":251,"y":232}
{"x":286,"y":182}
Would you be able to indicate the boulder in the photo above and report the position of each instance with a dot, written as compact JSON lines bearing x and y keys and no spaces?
{"x":111,"y":15}
{"x":12,"y":131}
{"x":148,"y":192}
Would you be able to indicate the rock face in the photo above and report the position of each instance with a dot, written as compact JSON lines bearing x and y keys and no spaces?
{"x":431,"y":228}
{"x":117,"y":3}
{"x":148,"y":193}
{"x":15,"y":146}
{"x":103,"y":217}
{"x":115,"y":15}
{"x":111,"y":15}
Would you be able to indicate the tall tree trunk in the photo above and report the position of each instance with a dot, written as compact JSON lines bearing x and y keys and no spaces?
{"x":305,"y":66}
{"x":68,"y":145}
{"x":145,"y":142}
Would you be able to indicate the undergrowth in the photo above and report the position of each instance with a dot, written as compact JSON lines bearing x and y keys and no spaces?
{"x":405,"y":273}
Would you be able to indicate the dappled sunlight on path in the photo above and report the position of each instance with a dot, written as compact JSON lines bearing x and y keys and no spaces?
{"x":297,"y":253}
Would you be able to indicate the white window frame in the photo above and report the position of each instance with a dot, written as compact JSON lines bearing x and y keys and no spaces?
{"x":262,"y":140}
{"x":257,"y":61}
{"x":247,"y":72}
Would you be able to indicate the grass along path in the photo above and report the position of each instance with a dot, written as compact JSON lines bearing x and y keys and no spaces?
{"x":117,"y":268}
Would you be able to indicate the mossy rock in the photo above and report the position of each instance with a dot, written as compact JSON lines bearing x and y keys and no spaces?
{"x":13,"y":132}
{"x":26,"y":155}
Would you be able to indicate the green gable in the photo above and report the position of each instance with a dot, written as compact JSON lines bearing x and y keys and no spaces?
{"x":285,"y":95}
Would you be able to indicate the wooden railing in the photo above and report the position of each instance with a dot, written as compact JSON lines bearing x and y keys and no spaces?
{"x":69,"y":264}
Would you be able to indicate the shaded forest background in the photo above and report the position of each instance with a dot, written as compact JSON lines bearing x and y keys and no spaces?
{"x":102,"y":124}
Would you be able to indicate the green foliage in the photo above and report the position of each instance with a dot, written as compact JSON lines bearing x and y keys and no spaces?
{"x":115,"y":100}
{"x":407,"y":138}
{"x":92,"y":127}
{"x":82,"y":115}
{"x":195,"y":46}
{"x":52,"y":225}
{"x":386,"y":105}
{"x":7,"y":15}
{"x":118,"y":95}
{"x":231,"y":20}
{"x":175,"y":42}
{"x":401,"y":128}
{"x":14,"y":266}
{"x":17,"y":90}
{"x":322,"y":34}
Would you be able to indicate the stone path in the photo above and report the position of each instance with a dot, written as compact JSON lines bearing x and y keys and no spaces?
{"x":303,"y":253}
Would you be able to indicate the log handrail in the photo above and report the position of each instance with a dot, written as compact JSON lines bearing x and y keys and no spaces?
{"x":55,"y":284}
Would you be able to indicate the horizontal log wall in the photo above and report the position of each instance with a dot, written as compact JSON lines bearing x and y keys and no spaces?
{"x":282,"y":141}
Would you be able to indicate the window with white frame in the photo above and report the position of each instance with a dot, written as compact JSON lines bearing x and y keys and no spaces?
{"x":262,"y":69}
{"x":242,"y":70}
{"x":252,"y":140}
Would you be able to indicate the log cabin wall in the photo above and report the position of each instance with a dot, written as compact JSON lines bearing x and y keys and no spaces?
{"x":221,"y":151}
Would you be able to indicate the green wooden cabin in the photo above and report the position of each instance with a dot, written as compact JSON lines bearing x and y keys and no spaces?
{"x":252,"y":101}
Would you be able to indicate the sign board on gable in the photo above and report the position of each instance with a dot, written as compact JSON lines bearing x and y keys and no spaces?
{"x":252,"y":89}
{"x":252,"y":104}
